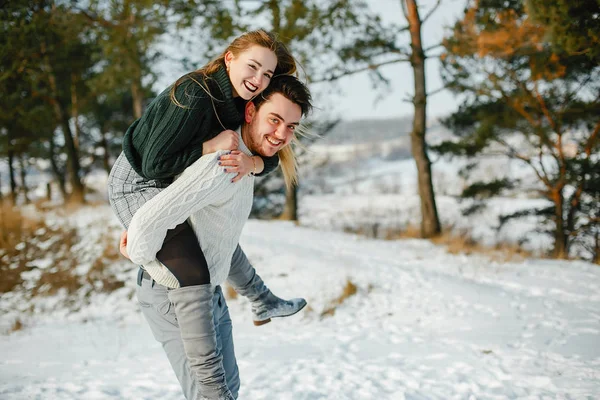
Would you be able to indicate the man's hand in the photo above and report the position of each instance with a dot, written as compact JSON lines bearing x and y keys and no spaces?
{"x":123,"y":244}
{"x":226,"y":140}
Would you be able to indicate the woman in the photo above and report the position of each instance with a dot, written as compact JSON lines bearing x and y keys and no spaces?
{"x":196,"y":116}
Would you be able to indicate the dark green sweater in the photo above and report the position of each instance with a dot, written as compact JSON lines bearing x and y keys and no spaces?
{"x":167,"y":138}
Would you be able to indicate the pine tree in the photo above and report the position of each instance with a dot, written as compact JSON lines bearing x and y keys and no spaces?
{"x":521,"y":88}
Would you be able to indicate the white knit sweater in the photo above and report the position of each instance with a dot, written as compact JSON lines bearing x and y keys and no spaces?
{"x":217,"y":211}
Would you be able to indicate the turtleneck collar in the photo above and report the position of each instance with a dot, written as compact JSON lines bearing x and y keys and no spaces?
{"x":226,"y":105}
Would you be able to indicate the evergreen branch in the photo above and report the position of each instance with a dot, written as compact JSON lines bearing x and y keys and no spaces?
{"x":94,"y":18}
{"x":370,"y":67}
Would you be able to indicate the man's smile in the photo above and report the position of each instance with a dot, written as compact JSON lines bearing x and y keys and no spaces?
{"x":273,"y":141}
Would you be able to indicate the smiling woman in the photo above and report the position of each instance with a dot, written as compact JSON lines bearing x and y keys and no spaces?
{"x":251,"y":71}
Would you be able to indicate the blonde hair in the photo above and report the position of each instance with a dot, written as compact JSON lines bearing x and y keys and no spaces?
{"x":287,"y":157}
{"x":286,"y":63}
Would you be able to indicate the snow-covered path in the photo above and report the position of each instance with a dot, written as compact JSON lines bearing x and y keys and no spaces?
{"x":422,"y":325}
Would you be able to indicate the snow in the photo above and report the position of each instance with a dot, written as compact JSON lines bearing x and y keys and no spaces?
{"x":423,"y":325}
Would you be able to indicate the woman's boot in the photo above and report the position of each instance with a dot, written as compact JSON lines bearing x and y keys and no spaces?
{"x":265,"y":305}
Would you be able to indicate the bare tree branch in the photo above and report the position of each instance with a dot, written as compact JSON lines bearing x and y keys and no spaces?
{"x":515,"y":154}
{"x":435,"y":46}
{"x":404,"y":10}
{"x":356,"y":71}
{"x":436,"y":91}
{"x":431,"y":11}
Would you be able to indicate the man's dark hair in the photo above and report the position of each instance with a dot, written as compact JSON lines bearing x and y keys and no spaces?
{"x":291,"y":88}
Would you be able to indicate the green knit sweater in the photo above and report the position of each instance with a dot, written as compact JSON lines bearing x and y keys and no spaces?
{"x":168,"y":138}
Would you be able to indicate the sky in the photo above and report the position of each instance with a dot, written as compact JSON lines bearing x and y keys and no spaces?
{"x":359,"y":100}
{"x":354,"y":97}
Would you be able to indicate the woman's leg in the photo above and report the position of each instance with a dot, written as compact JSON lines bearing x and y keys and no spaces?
{"x":265,"y":305}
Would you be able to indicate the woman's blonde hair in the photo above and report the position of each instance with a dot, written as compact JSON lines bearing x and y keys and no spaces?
{"x":287,"y":157}
{"x":286,"y":64}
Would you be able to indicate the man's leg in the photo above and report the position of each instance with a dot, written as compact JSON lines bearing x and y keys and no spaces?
{"x":265,"y":305}
{"x":160,"y":314}
{"x":225,"y":340}
{"x":158,"y":311}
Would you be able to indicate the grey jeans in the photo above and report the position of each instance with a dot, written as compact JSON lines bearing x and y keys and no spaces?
{"x":160,"y":314}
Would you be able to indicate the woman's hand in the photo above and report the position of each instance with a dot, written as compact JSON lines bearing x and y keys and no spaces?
{"x":239,"y":162}
{"x":226,"y":140}
{"x":123,"y":244}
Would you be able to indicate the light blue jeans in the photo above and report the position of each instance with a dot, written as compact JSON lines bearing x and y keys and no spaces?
{"x":160,"y":314}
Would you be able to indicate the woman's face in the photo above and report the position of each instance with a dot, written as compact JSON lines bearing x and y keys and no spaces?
{"x":251,"y":71}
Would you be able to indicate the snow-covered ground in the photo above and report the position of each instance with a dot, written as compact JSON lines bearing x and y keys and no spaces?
{"x":423,"y":324}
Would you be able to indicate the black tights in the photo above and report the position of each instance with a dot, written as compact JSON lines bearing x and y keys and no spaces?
{"x":182,"y":255}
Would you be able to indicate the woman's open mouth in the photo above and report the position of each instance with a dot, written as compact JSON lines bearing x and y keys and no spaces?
{"x":251,"y":88}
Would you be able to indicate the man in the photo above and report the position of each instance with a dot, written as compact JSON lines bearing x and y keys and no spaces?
{"x":192,"y":323}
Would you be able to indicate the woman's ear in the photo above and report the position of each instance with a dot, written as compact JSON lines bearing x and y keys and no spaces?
{"x":249,"y":112}
{"x":228,"y":57}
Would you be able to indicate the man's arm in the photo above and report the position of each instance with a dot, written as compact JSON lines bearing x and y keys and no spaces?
{"x":197,"y":187}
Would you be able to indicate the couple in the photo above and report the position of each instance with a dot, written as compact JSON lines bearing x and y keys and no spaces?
{"x":185,"y":231}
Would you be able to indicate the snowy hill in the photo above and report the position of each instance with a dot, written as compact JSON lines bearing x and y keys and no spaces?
{"x":400,"y":319}
{"x":422,"y":324}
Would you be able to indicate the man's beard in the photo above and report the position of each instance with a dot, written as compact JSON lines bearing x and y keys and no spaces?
{"x":249,"y":140}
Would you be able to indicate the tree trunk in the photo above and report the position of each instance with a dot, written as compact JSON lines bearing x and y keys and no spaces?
{"x":77,"y":195}
{"x":60,"y":177}
{"x":77,"y":190}
{"x":23,"y":182}
{"x":560,"y":236}
{"x":430,"y":223}
{"x":75,"y":110}
{"x":106,"y":156}
{"x":596,"y":253}
{"x":11,"y":174}
{"x":290,"y":211}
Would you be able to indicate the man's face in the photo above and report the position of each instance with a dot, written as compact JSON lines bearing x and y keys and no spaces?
{"x":272,"y":126}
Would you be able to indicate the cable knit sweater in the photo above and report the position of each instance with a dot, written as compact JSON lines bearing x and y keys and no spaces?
{"x":217,"y":211}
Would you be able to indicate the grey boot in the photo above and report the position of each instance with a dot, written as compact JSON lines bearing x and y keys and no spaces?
{"x":194,"y":310}
{"x":265,"y":305}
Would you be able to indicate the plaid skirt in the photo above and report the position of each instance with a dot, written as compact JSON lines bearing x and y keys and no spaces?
{"x":128,"y":191}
